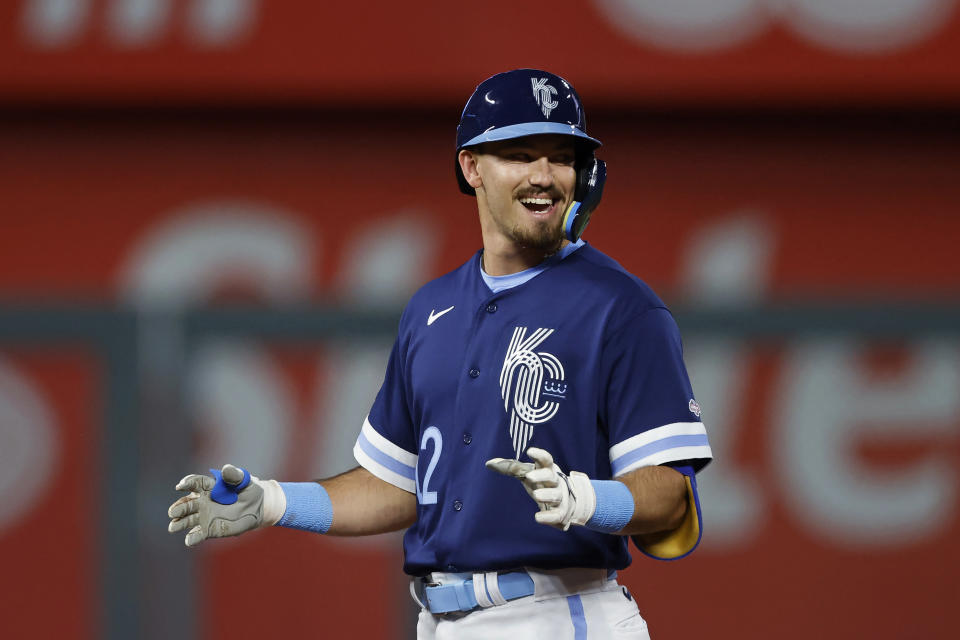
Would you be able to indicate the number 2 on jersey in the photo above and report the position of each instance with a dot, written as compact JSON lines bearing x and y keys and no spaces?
{"x":426,"y":496}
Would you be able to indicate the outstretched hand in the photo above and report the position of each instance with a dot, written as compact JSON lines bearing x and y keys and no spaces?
{"x":232,"y":503}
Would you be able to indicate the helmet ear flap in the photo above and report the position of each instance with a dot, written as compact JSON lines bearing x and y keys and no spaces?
{"x":591,"y":176}
{"x":586,"y":176}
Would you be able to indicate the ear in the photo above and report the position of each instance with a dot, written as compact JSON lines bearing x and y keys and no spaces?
{"x":468,"y":164}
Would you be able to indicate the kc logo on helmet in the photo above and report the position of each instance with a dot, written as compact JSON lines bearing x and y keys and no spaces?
{"x":542,"y":93}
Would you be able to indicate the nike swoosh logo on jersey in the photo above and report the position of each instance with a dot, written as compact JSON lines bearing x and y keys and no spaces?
{"x":433,"y":316}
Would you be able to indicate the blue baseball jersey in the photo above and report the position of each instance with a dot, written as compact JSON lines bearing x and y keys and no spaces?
{"x":582,"y":360}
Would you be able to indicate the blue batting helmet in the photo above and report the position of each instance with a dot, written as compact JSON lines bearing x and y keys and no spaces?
{"x":522,"y":102}
{"x":528,"y":102}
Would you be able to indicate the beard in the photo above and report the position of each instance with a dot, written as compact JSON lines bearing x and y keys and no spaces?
{"x":546,"y":236}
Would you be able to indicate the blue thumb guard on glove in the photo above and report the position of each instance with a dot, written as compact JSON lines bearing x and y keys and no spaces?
{"x":225,"y":493}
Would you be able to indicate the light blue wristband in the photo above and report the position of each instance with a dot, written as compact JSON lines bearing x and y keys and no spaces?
{"x":614,"y":506}
{"x":308,"y":507}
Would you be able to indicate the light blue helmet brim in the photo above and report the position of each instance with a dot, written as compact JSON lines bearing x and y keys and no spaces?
{"x":529,"y":129}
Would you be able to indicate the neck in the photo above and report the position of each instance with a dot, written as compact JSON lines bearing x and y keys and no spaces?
{"x":501,"y":257}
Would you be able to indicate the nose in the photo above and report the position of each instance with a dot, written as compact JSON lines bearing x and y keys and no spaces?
{"x":541,"y":172}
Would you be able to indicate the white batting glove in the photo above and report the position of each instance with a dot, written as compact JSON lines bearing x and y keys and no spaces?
{"x":261,"y":503}
{"x":563,"y":500}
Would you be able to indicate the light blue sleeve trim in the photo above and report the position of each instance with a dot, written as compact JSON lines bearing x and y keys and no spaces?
{"x":657,"y":446}
{"x":385,"y":459}
{"x":308,"y":507}
{"x":614,"y":506}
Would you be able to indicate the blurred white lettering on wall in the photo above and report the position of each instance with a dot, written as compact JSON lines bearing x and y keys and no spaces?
{"x":727,"y":264}
{"x":238,"y":395}
{"x":132,"y":24}
{"x":828,"y":404}
{"x":704,"y":26}
{"x":28,"y":445}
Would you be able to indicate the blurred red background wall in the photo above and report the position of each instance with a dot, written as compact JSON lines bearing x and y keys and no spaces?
{"x":165,"y":171}
{"x":817,"y":212}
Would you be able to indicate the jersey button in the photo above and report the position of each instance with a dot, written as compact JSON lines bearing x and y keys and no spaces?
{"x":467,"y":438}
{"x":492,"y":307}
{"x":457,"y":505}
{"x":474,"y":373}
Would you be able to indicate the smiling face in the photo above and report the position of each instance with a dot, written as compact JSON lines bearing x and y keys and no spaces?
{"x":523,"y":188}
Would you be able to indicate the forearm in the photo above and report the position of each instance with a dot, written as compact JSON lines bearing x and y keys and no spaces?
{"x":363,"y":504}
{"x":659,"y":499}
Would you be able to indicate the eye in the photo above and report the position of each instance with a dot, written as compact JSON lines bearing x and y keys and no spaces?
{"x":519,"y":156}
{"x":566,"y":159}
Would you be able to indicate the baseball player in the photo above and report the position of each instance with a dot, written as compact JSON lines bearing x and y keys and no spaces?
{"x":535,"y":413}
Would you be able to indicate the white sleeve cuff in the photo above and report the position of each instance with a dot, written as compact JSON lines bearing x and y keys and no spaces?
{"x":677,"y":441}
{"x":385,"y":460}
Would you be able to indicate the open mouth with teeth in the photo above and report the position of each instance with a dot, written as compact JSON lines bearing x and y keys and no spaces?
{"x":541,"y":205}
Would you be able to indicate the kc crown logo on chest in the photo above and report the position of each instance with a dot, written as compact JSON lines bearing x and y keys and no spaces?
{"x":531,"y":384}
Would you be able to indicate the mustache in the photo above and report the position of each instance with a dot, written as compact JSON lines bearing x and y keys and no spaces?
{"x":553,"y":193}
